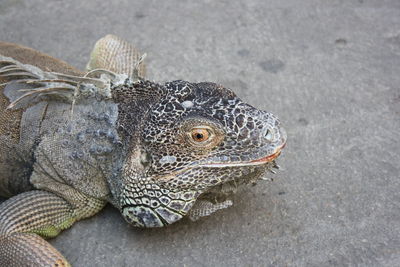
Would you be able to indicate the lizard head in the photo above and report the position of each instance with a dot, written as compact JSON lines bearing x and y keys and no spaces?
{"x":198,"y":142}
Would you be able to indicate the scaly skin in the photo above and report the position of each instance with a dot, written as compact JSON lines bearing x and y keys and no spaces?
{"x":157,"y":152}
{"x":29,"y":216}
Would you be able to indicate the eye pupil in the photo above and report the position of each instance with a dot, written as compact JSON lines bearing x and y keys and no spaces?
{"x":199,"y":136}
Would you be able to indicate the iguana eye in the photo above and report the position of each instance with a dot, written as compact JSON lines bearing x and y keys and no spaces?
{"x":200,"y":135}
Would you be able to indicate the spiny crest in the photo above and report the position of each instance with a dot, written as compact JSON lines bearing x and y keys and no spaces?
{"x":27,"y":84}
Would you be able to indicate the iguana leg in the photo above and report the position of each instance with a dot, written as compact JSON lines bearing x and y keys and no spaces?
{"x":27,"y":217}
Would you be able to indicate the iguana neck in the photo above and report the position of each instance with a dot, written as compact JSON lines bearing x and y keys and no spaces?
{"x":134,"y":99}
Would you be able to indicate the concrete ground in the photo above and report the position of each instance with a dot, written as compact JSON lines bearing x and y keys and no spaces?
{"x":329,"y":69}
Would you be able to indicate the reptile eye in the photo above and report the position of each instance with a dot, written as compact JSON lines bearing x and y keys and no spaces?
{"x":200,"y":135}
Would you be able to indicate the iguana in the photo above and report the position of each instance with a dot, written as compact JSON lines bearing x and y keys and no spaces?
{"x":72,"y":141}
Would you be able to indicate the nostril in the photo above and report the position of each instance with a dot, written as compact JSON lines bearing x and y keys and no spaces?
{"x":268,"y":135}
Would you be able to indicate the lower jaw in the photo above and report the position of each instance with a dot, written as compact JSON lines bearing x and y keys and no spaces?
{"x":222,"y":192}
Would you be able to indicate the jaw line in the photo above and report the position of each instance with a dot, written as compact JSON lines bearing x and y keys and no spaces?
{"x":256,"y":162}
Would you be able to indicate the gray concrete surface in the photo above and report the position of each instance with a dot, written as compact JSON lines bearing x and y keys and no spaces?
{"x":329,"y":69}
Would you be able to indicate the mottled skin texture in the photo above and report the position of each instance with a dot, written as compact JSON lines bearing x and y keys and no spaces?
{"x":157,"y":152}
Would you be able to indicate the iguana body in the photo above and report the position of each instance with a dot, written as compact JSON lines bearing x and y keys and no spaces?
{"x":72,"y":143}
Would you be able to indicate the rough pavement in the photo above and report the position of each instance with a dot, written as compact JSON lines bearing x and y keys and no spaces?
{"x":329,"y":69}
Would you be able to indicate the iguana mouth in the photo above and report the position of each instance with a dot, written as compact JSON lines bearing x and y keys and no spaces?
{"x":270,"y":157}
{"x":267,"y":158}
{"x":263,"y":160}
